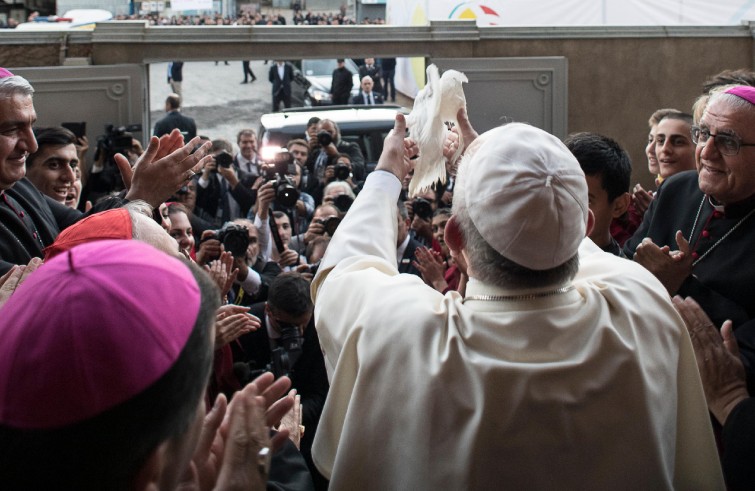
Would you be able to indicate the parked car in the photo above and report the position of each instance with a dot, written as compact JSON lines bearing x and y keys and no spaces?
{"x":366,"y":126}
{"x":312,"y":86}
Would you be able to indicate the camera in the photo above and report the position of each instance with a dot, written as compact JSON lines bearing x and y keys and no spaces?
{"x":234,"y":237}
{"x":288,"y":351}
{"x":324,"y":138}
{"x":224,"y":159}
{"x":330,"y":225}
{"x":422,"y":208}
{"x":117,"y":139}
{"x":282,"y":359}
{"x":278,"y":169}
{"x":343,"y":202}
{"x":341,"y":171}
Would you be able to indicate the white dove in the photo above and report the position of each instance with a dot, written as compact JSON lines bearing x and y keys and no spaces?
{"x":435,"y":104}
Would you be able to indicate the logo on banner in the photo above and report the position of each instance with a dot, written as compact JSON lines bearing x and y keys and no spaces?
{"x":483,"y":14}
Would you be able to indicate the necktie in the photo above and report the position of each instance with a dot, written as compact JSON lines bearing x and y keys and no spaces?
{"x":369,"y":99}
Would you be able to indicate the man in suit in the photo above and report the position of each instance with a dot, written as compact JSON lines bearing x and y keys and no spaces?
{"x":388,"y":67}
{"x":29,"y":220}
{"x":247,"y":72}
{"x":247,"y":160}
{"x":174,"y":119}
{"x":341,"y":84}
{"x":406,"y":245}
{"x":281,"y":75}
{"x":371,"y":69}
{"x":221,"y":196}
{"x":367,"y":96}
{"x":289,"y":305}
{"x":176,"y":76}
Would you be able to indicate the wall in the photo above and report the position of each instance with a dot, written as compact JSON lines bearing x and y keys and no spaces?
{"x":616,"y":76}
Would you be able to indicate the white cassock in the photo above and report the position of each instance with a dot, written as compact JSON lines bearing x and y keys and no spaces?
{"x":595,"y":388}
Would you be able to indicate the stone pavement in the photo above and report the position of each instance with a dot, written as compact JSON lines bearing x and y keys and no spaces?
{"x":214,"y":96}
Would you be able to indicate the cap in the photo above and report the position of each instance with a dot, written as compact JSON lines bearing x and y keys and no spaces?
{"x":5,"y":73}
{"x":526,"y":194}
{"x":109,"y":224}
{"x":90,"y":329}
{"x":743,"y":92}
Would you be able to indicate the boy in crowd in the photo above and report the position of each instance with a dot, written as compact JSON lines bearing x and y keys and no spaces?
{"x":608,"y":171}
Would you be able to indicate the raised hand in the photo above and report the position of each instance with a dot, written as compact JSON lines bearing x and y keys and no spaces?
{"x":233,"y":321}
{"x":721,"y":371}
{"x":163,"y":168}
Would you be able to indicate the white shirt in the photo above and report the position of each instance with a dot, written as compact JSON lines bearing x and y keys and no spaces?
{"x":595,"y":388}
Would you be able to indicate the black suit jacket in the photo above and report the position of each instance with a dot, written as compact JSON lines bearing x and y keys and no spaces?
{"x":406,"y":266}
{"x":374,"y":73}
{"x":360,"y":98}
{"x":281,"y":84}
{"x":17,"y":245}
{"x":175,"y":119}
{"x":208,"y":199}
{"x":308,"y":377}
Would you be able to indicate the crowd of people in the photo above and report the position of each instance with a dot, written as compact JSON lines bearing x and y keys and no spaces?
{"x":247,"y":18}
{"x":214,"y":314}
{"x":242,"y":18}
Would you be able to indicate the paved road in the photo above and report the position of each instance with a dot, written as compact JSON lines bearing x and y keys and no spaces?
{"x":214,"y":96}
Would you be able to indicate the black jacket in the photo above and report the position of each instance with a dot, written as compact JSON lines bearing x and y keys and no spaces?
{"x":17,"y":244}
{"x":175,"y":119}
{"x":340,"y":87}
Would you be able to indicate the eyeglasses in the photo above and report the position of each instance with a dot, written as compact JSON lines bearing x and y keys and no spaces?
{"x":726,"y":144}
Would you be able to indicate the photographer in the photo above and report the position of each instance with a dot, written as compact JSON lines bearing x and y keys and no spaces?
{"x":287,"y":312}
{"x":421,"y":210}
{"x":255,"y":273}
{"x":287,"y":258}
{"x":340,"y":170}
{"x":325,"y":146}
{"x":324,"y":222}
{"x":221,"y":196}
{"x":105,"y":177}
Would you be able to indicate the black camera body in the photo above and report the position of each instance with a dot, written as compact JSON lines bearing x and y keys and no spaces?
{"x":282,"y":359}
{"x":422,"y":208}
{"x":278,"y":171}
{"x":324,"y":138}
{"x":224,"y":159}
{"x":341,"y":171}
{"x":343,"y":202}
{"x":330,"y":225}
{"x":117,"y":139}
{"x":234,"y":237}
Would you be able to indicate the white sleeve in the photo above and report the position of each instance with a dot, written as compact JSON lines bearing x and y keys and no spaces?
{"x":252,"y":282}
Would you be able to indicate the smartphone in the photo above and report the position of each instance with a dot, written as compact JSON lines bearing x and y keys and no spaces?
{"x":78,"y":129}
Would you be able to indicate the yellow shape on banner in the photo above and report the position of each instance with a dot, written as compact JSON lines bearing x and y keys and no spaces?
{"x":467,"y":14}
{"x":419,"y":18}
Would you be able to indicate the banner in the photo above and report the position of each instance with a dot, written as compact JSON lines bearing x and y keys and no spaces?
{"x":537,"y":13}
{"x":410,"y":72}
{"x":179,"y":5}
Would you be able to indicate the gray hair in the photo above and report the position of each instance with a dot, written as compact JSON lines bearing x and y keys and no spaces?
{"x":137,"y":207}
{"x":15,"y":85}
{"x":343,"y":185}
{"x":732,"y":101}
